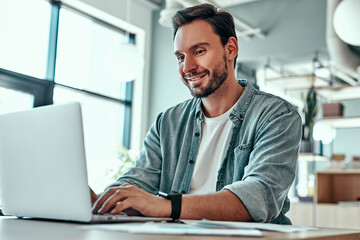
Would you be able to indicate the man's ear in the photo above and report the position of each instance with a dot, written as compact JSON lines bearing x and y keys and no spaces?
{"x":231,"y":48}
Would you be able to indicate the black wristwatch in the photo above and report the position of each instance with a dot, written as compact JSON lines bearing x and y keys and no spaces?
{"x":175,"y":203}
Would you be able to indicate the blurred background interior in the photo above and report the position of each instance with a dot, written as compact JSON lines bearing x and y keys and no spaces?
{"x":116,"y":58}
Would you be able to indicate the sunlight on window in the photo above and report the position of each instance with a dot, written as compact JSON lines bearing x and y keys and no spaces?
{"x":73,"y":55}
{"x":82,"y":49}
{"x":13,"y":101}
{"x":24,"y":27}
{"x":103,"y":121}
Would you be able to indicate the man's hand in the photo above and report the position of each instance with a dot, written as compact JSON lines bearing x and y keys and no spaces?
{"x":94,"y":197}
{"x":117,"y":200}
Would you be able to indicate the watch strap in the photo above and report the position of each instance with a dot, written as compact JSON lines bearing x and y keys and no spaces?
{"x":175,"y":203}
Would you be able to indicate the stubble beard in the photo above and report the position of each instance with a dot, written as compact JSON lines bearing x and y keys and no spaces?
{"x":217,"y":78}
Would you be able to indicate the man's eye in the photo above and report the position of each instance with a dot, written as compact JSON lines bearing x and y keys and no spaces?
{"x":199,"y":52}
{"x":180,"y":58}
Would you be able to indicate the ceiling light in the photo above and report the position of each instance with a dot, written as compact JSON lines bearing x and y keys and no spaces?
{"x":322,"y":73}
{"x":346,"y":21}
{"x":323,"y":132}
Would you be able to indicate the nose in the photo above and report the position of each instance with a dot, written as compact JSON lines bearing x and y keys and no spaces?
{"x":189,"y":64}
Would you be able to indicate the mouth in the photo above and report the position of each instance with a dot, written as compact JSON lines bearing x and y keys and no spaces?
{"x":195,"y":77}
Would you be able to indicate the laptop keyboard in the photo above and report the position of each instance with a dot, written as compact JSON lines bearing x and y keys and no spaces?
{"x":108,"y":217}
{"x":125,"y":218}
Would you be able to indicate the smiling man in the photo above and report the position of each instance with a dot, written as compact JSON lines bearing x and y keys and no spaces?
{"x":229,"y":153}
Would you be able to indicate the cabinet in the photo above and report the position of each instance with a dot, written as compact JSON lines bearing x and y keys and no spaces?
{"x":336,"y":198}
{"x":337,"y":191}
{"x":337,"y":216}
{"x":335,"y":201}
{"x":334,"y":189}
{"x":337,"y":186}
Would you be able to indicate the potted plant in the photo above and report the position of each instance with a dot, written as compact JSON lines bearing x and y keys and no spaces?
{"x":310,"y":111}
{"x":127,"y":159}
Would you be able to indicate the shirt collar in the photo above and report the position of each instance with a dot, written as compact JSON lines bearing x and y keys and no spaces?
{"x":240,"y":106}
{"x":244,"y":101}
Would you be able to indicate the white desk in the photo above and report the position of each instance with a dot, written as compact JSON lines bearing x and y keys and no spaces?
{"x":17,"y":229}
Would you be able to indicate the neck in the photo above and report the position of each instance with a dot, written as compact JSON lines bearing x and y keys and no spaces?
{"x":223,"y":98}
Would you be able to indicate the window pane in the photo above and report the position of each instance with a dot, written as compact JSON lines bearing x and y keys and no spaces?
{"x":13,"y":101}
{"x":103,"y":130}
{"x":24,"y":27}
{"x":84,"y":47}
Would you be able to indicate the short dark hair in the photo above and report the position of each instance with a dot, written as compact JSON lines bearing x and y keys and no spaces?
{"x":221,"y":21}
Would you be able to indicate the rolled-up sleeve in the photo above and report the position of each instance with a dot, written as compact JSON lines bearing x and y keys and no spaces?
{"x":271,"y":168}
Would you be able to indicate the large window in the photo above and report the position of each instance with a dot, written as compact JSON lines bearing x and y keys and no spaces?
{"x":24,"y":31}
{"x":12,"y":100}
{"x":84,"y":49}
{"x":50,"y":53}
{"x":103,"y":129}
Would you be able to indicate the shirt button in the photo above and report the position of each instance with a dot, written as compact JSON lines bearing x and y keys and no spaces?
{"x":197,"y":134}
{"x":191,"y":161}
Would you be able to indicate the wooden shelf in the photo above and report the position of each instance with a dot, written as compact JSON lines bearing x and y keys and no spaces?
{"x":340,"y":93}
{"x":337,"y":185}
{"x":340,"y":122}
{"x":301,"y":81}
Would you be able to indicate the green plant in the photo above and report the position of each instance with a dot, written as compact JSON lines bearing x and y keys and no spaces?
{"x":127,"y":160}
{"x":310,"y":111}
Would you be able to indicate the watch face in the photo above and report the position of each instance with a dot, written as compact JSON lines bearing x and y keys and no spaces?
{"x":162,"y":194}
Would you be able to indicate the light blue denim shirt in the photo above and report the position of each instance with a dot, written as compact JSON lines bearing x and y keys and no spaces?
{"x":261,"y":158}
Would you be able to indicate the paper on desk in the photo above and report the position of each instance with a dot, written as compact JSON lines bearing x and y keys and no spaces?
{"x":248,"y":225}
{"x":175,"y":228}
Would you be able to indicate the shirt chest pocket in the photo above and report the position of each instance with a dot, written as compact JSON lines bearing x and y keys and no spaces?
{"x":241,"y":160}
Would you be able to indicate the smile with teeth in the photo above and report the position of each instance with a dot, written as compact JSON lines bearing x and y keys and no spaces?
{"x":195,"y":78}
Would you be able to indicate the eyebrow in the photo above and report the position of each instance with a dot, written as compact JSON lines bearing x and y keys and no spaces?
{"x":200,"y":44}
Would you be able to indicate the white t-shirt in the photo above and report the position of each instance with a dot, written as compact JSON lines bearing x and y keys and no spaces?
{"x":212,"y":151}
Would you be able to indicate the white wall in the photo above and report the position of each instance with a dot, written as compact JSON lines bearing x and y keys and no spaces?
{"x":166,"y":88}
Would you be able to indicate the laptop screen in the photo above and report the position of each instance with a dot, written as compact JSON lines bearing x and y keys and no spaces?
{"x":42,"y":164}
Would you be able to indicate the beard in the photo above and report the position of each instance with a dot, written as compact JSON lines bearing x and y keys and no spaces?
{"x":217,"y":78}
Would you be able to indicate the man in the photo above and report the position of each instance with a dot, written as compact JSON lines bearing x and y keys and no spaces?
{"x":229,"y":153}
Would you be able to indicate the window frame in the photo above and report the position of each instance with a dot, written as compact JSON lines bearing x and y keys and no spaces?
{"x":43,"y":89}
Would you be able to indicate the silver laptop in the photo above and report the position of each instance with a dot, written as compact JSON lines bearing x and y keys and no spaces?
{"x":43,"y":167}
